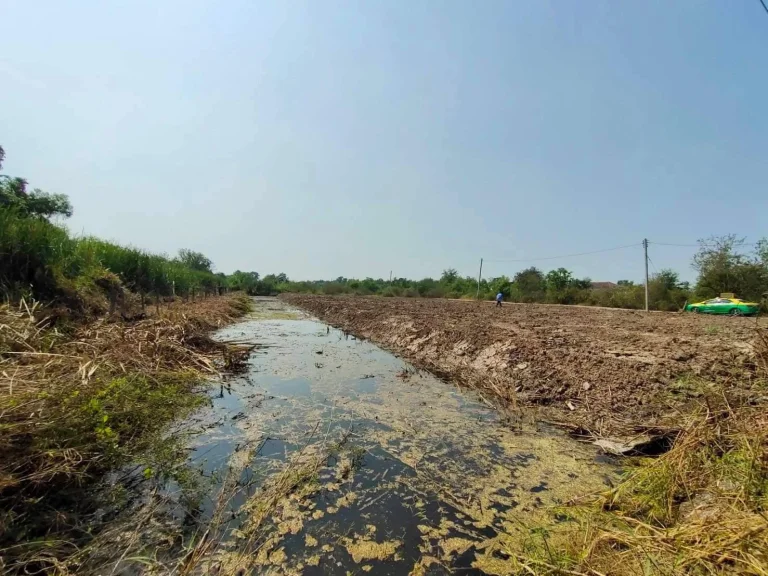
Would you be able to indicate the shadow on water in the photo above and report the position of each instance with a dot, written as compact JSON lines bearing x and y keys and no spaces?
{"x":411,"y":474}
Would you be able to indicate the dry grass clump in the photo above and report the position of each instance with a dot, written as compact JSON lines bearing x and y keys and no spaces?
{"x":255,"y":540}
{"x":79,"y":400}
{"x":701,"y":508}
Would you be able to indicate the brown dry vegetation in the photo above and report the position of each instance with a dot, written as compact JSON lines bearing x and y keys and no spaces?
{"x":79,"y":400}
{"x":606,"y":371}
{"x":698,"y":509}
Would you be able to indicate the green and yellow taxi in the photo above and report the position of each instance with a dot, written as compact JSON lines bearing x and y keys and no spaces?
{"x":732,"y":306}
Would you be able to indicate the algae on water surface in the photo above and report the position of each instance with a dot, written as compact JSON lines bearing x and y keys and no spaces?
{"x":353,"y":468}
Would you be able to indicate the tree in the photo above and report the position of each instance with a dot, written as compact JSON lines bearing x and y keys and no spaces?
{"x":430,"y":288}
{"x":761,"y":251}
{"x":665,"y":291}
{"x":400,"y":282}
{"x":370,"y":285}
{"x":245,"y":281}
{"x":449,"y":276}
{"x":15,"y":196}
{"x":582,"y":283}
{"x":37,"y":203}
{"x":558,"y":280}
{"x":530,"y":283}
{"x":195,"y":260}
{"x":668,"y":279}
{"x":723,"y":267}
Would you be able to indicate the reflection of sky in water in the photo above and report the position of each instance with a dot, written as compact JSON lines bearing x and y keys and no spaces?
{"x":437,"y":466}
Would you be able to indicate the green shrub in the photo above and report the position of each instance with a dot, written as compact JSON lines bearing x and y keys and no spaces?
{"x":334,"y":288}
{"x":392,"y":291}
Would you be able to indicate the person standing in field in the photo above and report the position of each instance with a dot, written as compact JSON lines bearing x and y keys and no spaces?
{"x":499,"y":298}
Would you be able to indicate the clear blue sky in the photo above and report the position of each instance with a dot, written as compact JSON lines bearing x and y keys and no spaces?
{"x":353,"y":138}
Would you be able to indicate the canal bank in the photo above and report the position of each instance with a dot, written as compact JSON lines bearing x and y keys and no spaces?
{"x":333,"y":456}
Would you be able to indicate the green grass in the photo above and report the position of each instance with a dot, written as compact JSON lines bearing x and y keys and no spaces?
{"x":40,"y":258}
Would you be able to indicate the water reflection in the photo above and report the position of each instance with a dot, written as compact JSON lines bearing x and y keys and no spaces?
{"x":411,"y":474}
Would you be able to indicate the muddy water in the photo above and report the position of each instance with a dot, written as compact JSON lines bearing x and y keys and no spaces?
{"x":407,"y":474}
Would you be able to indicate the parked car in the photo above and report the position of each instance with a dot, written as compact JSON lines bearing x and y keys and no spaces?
{"x":732,"y":306}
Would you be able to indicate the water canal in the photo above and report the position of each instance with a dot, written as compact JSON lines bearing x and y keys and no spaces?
{"x":333,"y":456}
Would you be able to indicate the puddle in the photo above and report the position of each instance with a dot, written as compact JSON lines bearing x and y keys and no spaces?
{"x":347,"y":460}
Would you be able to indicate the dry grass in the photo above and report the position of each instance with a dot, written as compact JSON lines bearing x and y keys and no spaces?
{"x":79,"y":400}
{"x":701,"y":508}
{"x":255,"y":540}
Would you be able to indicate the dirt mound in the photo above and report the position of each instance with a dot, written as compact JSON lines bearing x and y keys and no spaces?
{"x":606,"y":370}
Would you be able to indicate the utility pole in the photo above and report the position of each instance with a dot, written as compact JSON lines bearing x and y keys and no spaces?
{"x":645,"y":247}
{"x":390,"y":276}
{"x":479,"y":276}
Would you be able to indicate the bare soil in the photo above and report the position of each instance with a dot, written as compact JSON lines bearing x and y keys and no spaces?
{"x":605,"y":371}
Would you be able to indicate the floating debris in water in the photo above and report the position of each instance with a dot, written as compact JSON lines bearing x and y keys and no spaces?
{"x":370,"y":550}
{"x":412,"y":471}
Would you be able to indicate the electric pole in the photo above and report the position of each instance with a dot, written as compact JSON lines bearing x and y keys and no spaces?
{"x":479,"y":276}
{"x":645,"y":247}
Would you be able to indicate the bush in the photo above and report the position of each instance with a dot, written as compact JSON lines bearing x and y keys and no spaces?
{"x":334,"y":288}
{"x":392,"y":291}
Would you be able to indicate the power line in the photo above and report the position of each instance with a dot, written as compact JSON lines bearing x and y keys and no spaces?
{"x":672,"y":244}
{"x":567,"y":255}
{"x":697,"y":245}
{"x":610,"y":250}
{"x":764,"y":6}
{"x":654,"y":266}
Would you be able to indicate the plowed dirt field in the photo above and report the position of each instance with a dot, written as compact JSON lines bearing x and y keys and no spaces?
{"x":608,"y":371}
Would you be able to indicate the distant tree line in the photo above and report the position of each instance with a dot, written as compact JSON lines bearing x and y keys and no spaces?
{"x":41,"y":258}
{"x":530,"y":285}
{"x":724,"y":264}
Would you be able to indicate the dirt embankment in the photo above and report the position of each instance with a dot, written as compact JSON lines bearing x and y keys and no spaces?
{"x":609,"y":371}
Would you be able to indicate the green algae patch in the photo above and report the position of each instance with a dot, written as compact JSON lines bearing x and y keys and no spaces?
{"x":363,"y":467}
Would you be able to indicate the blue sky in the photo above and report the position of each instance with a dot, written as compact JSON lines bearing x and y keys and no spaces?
{"x":326,"y":138}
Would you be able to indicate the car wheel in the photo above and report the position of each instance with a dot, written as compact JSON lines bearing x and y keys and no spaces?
{"x":695,"y":310}
{"x":736,"y":312}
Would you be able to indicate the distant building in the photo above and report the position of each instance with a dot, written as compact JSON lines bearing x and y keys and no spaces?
{"x":603,"y":285}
